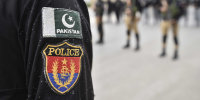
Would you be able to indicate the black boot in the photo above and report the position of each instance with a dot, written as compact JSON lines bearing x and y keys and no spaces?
{"x":100,"y":42}
{"x":163,"y":54}
{"x":176,"y":48}
{"x":127,"y":44}
{"x":175,"y":55}
{"x":128,"y":40}
{"x":100,"y":29}
{"x":137,"y":48}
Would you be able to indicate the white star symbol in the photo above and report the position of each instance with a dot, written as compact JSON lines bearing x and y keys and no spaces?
{"x":70,"y":18}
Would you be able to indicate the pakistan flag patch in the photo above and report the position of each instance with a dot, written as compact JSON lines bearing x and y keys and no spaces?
{"x":61,"y":23}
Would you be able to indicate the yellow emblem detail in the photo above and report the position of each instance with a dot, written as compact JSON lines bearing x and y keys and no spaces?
{"x":64,"y":61}
{"x":64,"y":72}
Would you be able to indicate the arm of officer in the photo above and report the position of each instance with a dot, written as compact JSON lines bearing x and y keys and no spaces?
{"x":56,"y":39}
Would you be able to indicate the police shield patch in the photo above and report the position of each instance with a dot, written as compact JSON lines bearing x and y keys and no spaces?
{"x":63,"y":65}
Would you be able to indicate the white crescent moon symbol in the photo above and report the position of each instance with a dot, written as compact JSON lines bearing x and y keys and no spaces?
{"x":65,"y":23}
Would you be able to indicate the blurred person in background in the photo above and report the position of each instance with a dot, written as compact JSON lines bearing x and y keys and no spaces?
{"x":171,"y":12}
{"x":157,"y":15}
{"x":145,"y":5}
{"x":197,"y":12}
{"x":115,"y":6}
{"x":110,"y":8}
{"x":184,"y":4}
{"x":118,"y":9}
{"x":99,"y":10}
{"x":133,"y":11}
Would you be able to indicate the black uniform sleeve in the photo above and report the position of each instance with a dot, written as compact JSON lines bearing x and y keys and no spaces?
{"x":12,"y":73}
{"x":49,"y":74}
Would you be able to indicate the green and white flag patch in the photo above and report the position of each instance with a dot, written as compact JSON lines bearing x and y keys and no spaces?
{"x":61,"y":23}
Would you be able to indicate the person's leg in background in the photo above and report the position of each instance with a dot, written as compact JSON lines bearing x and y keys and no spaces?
{"x":165,"y":25}
{"x":128,"y":21}
{"x":175,"y":36}
{"x":135,"y":28}
{"x":100,"y":29}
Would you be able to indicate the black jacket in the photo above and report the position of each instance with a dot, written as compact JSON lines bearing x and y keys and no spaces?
{"x":137,"y":4}
{"x":23,"y":63}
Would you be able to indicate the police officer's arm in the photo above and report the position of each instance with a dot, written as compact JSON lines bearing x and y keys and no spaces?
{"x":56,"y":42}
